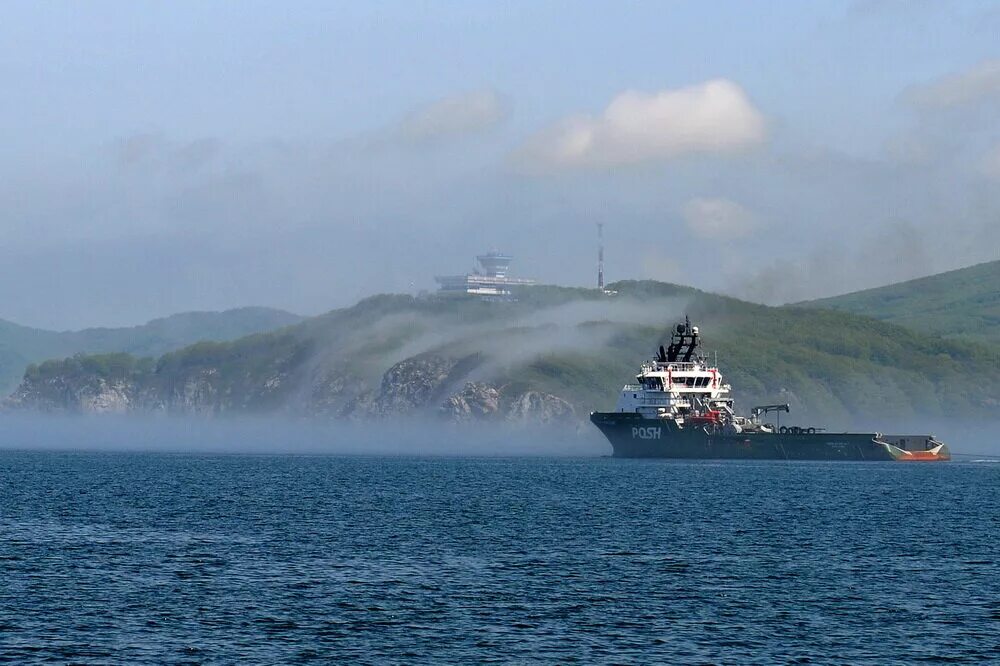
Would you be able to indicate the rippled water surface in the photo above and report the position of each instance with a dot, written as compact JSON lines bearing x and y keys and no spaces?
{"x":159,"y":558}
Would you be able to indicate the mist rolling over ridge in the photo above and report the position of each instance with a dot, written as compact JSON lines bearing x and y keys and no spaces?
{"x":549,"y":358}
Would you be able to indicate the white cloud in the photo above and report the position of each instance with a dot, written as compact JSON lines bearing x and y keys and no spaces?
{"x":717,"y":219}
{"x":711,"y":117}
{"x":971,"y":86}
{"x":454,"y":116}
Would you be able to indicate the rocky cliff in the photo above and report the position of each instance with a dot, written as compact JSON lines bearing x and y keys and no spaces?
{"x":425,"y":385}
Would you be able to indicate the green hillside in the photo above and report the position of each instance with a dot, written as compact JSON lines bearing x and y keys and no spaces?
{"x":577,"y":344}
{"x":22,"y":345}
{"x":961,"y":304}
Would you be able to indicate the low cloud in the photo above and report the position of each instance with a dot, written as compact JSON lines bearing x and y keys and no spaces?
{"x":454,"y":116}
{"x":896,"y":252}
{"x":975,"y":85}
{"x":717,"y":219}
{"x":711,"y":117}
{"x":555,"y":329}
{"x":954,"y":120}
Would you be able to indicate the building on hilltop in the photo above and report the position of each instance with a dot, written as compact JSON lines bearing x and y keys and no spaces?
{"x":491,"y":281}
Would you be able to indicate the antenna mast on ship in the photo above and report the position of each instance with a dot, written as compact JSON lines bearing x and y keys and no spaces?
{"x":600,"y":256}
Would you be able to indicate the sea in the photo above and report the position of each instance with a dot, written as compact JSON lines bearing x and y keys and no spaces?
{"x":169,"y":558}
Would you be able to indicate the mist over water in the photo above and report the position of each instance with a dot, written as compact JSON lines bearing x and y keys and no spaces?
{"x":275,"y":435}
{"x":398,"y":437}
{"x":963,"y":437}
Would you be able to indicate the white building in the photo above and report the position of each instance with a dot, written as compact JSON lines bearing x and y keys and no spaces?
{"x":491,"y":281}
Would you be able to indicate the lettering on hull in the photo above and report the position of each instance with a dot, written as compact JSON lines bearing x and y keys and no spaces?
{"x":646,"y":432}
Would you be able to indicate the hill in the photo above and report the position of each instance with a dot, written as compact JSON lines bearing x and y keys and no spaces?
{"x":556,"y":354}
{"x":22,"y":345}
{"x":960,"y":304}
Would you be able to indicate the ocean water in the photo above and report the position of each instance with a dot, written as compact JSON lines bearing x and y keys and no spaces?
{"x":169,"y":558}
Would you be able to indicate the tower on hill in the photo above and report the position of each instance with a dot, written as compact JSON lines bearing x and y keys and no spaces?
{"x":491,"y":281}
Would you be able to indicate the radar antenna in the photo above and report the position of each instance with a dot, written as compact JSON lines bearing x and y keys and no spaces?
{"x":684,"y":340}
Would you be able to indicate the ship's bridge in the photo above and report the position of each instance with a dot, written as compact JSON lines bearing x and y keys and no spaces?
{"x":679,"y":376}
{"x":678,"y":383}
{"x":673,"y":388}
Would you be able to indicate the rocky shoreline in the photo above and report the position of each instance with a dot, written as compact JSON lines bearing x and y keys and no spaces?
{"x":425,"y":385}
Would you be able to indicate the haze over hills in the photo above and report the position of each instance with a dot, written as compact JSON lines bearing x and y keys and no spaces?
{"x":960,"y":304}
{"x":553,"y":356}
{"x":22,"y":345}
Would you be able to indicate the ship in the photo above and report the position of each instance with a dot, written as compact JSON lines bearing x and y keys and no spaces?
{"x":680,"y":407}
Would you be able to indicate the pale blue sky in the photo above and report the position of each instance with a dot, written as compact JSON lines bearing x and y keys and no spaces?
{"x":195,"y":155}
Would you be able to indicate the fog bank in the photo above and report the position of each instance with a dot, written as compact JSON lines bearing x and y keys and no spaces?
{"x":403,"y":437}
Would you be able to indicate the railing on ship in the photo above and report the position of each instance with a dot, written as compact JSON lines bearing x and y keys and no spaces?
{"x":677,"y":366}
{"x":680,"y":366}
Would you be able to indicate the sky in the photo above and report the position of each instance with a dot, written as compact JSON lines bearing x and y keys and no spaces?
{"x":166,"y":157}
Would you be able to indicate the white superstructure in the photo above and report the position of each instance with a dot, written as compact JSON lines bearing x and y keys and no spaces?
{"x":491,"y":281}
{"x":681,"y":385}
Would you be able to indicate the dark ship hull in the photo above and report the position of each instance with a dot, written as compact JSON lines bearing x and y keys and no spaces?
{"x":633,"y":436}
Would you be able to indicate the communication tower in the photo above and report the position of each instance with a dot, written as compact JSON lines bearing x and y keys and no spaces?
{"x":600,"y":256}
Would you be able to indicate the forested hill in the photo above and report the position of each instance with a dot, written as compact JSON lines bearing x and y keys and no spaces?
{"x":22,"y":345}
{"x":556,"y":354}
{"x":961,"y":304}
